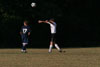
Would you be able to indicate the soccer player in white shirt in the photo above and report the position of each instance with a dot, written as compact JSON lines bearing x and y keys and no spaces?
{"x":53,"y":26}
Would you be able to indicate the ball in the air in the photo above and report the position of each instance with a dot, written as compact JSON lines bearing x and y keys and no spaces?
{"x":33,"y":4}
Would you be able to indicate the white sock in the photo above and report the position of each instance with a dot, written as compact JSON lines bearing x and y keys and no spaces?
{"x":50,"y":48}
{"x":57,"y":47}
{"x":24,"y":44}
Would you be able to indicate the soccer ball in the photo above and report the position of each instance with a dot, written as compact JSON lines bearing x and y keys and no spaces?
{"x":33,"y":4}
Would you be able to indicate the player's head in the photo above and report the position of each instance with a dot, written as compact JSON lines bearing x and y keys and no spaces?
{"x":51,"y":20}
{"x":25,"y":23}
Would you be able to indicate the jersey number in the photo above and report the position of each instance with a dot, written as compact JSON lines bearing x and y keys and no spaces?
{"x":24,"y":31}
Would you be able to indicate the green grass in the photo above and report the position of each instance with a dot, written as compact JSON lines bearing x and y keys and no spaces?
{"x":73,"y":57}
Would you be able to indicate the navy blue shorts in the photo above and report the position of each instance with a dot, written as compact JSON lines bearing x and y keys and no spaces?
{"x":24,"y":39}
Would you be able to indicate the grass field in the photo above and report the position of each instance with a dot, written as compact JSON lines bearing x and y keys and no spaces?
{"x":73,"y":57}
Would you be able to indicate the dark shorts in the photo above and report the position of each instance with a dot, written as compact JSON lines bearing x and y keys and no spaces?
{"x":24,"y":39}
{"x":53,"y":37}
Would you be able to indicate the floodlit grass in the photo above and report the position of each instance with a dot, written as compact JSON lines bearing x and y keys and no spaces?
{"x":73,"y":57}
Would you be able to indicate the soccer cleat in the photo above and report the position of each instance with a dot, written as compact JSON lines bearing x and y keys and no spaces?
{"x":23,"y":51}
{"x":49,"y":51}
{"x":60,"y":51}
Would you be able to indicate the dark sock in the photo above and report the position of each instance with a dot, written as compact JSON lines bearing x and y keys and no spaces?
{"x":24,"y":47}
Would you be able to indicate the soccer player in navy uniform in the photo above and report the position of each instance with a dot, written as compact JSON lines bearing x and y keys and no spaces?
{"x":25,"y":32}
{"x":53,"y":32}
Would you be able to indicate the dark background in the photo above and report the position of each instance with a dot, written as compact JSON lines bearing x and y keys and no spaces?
{"x":77,"y":20}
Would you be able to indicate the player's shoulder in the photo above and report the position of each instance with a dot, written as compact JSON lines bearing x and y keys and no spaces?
{"x":28,"y":26}
{"x":25,"y":26}
{"x":54,"y":23}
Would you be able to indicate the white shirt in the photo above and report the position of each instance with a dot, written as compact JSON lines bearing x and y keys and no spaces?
{"x":53,"y":27}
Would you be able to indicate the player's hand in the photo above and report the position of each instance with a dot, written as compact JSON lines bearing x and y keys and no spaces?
{"x":40,"y":21}
{"x":29,"y":34}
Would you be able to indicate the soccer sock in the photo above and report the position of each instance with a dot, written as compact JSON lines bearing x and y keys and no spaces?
{"x":24,"y":46}
{"x":50,"y":48}
{"x":57,"y":47}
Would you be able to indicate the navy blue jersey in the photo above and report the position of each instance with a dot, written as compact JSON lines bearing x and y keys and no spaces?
{"x":25,"y":30}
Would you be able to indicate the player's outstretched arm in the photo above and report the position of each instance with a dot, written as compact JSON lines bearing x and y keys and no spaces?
{"x":40,"y":21}
{"x":46,"y":21}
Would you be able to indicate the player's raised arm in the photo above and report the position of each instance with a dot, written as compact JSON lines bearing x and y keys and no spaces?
{"x":46,"y":21}
{"x":40,"y":21}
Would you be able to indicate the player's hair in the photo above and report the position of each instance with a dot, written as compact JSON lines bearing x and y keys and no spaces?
{"x":52,"y":19}
{"x":26,"y":22}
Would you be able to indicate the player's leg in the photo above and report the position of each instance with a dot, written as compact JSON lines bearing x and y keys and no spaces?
{"x":51,"y":44}
{"x":55,"y":44}
{"x":24,"y":47}
{"x":25,"y":42}
{"x":58,"y":48}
